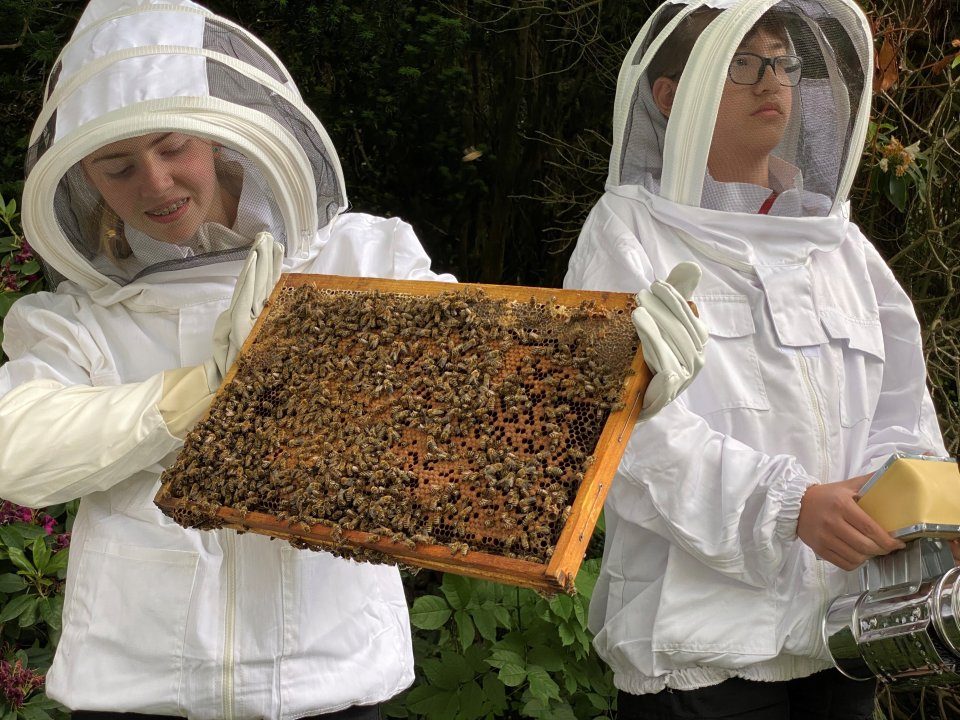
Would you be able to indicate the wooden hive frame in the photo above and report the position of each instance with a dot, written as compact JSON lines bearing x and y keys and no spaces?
{"x":559,"y":573}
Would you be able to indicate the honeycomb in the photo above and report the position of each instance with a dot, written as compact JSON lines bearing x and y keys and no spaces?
{"x":459,"y":420}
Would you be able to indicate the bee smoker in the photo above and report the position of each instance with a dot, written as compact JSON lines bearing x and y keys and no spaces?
{"x":904,"y":625}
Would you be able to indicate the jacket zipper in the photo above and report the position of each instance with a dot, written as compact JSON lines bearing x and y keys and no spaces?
{"x":824,"y":464}
{"x":229,"y":622}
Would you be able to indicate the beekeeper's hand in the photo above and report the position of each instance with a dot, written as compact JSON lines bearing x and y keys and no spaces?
{"x":671,"y":335}
{"x":187,"y":392}
{"x":837,"y":529}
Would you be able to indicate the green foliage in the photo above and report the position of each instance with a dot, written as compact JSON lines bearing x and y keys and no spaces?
{"x":905,"y":195}
{"x":491,"y":651}
{"x":19,"y":268}
{"x":486,"y":126}
{"x":33,"y":565}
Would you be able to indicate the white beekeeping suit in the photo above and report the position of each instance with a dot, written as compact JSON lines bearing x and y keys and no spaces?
{"x":170,"y":139}
{"x":814,"y":371}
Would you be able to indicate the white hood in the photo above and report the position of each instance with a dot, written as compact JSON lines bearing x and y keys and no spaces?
{"x":823,"y":137}
{"x":134,"y":68}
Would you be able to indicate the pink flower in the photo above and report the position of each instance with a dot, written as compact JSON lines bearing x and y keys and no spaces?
{"x":10,"y":512}
{"x":9,"y":280}
{"x":61,"y":541}
{"x":17,"y":682}
{"x":49,"y":522}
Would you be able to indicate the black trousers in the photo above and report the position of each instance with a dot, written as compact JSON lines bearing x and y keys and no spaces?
{"x":827,"y":695}
{"x":357,"y":712}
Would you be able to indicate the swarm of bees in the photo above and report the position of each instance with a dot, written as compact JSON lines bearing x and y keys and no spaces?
{"x":457,"y":419}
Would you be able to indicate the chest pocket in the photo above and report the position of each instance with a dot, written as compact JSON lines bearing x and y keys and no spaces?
{"x":731,"y":376}
{"x":857,"y":351}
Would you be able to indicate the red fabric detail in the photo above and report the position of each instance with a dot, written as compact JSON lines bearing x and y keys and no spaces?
{"x":767,"y":204}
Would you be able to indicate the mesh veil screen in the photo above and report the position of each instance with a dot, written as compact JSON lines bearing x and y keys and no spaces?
{"x":163,"y":201}
{"x":783,"y":127}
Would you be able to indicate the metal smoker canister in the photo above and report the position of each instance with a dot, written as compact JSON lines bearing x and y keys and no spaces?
{"x":908,"y":633}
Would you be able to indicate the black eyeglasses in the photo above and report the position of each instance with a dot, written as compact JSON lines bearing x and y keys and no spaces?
{"x":748,"y":68}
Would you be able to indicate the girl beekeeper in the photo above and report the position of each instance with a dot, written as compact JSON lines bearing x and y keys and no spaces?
{"x":172,"y":173}
{"x":732,"y":521}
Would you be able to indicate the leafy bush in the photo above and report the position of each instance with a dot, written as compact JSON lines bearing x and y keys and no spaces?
{"x":485,"y":650}
{"x":33,"y":563}
{"x":485,"y":125}
{"x":19,"y":269}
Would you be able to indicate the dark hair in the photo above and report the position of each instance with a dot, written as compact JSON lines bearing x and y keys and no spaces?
{"x":673,"y":54}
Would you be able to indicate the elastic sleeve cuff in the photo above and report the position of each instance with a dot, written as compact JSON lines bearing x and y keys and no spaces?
{"x":791,"y":493}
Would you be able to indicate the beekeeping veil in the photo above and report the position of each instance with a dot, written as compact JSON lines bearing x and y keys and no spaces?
{"x":767,"y":109}
{"x":168,"y":139}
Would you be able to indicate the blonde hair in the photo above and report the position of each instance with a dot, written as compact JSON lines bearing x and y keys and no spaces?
{"x":111,"y":240}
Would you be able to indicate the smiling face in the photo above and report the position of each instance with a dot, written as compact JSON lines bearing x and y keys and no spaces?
{"x":751,"y":119}
{"x":163,"y":184}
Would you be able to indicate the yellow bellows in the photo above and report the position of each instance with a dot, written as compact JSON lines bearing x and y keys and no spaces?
{"x":914,"y":491}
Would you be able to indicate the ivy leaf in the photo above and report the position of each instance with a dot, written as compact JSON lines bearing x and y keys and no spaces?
{"x":11,"y":583}
{"x":562,"y":605}
{"x":476,"y":656}
{"x":535,"y":708}
{"x":458,"y":666}
{"x":9,"y":244}
{"x":440,"y":674}
{"x":546,"y":657}
{"x":484,"y":592}
{"x":587,"y":578}
{"x":541,"y":684}
{"x":567,"y":636}
{"x":495,"y":693}
{"x":486,"y":624}
{"x":562,"y":712}
{"x":472,"y":702}
{"x":465,"y":629}
{"x":457,"y":590}
{"x":395,"y":707}
{"x":579,"y":611}
{"x":429,"y":701}
{"x":502,"y":656}
{"x":429,"y":612}
{"x":512,"y":674}
{"x":503,"y":616}
{"x":598,"y":701}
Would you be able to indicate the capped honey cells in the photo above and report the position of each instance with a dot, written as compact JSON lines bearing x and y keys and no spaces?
{"x":459,"y":419}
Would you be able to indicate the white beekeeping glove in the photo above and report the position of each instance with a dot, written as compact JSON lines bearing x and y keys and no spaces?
{"x":187,"y":392}
{"x":671,"y":335}
{"x":254,"y":284}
